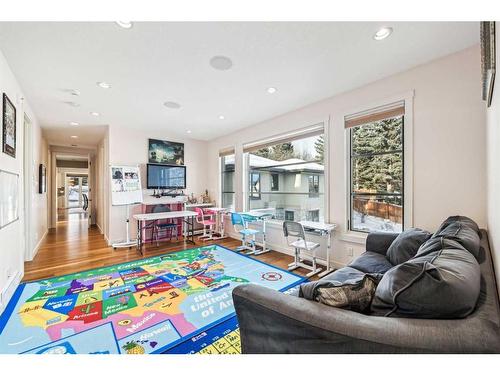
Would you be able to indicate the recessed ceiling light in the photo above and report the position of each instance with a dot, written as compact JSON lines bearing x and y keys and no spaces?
{"x":172,"y":105}
{"x":95,"y":114}
{"x":221,"y":63}
{"x":72,"y":92}
{"x":272,"y":90}
{"x":74,"y":136}
{"x":125,"y":24}
{"x":104,"y":85}
{"x":382,"y":33}
{"x":74,"y":123}
{"x":72,"y":104}
{"x":188,"y":131}
{"x":221,"y":117}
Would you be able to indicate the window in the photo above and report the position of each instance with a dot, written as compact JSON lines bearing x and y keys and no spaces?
{"x":313,"y":215}
{"x":313,"y":186}
{"x":275,"y":182}
{"x":289,"y":215}
{"x":254,"y":185}
{"x":227,"y":178}
{"x":377,"y":170}
{"x":279,"y":173}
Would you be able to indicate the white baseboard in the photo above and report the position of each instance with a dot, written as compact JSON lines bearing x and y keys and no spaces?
{"x":8,"y":290}
{"x":37,"y":247}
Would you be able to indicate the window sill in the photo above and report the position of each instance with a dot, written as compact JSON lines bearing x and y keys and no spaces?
{"x":354,"y":237}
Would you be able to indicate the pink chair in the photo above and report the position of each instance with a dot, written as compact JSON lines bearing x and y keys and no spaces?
{"x":208,"y":222}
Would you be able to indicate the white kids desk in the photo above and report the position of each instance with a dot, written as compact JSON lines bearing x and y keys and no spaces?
{"x":325,"y":230}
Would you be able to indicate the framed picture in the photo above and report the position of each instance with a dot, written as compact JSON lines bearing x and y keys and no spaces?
{"x":488,"y":59}
{"x":165,"y":152}
{"x":42,"y":179}
{"x":9,"y":127}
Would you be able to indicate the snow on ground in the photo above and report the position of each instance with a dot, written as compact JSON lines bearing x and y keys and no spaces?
{"x":374,"y":223}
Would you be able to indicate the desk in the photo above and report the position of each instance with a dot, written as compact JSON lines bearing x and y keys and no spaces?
{"x":262,"y":216}
{"x":186,"y":216}
{"x":323,"y":229}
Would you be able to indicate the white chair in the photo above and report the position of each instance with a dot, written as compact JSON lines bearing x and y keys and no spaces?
{"x":296,"y":238}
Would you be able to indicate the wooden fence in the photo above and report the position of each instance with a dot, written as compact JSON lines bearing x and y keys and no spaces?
{"x":379,"y":209}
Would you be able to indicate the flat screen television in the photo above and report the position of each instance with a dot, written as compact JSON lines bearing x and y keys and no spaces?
{"x":166,"y":176}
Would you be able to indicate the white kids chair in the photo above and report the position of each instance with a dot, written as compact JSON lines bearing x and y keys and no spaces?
{"x":296,"y":238}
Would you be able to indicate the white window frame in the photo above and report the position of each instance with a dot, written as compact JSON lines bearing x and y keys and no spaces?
{"x":407,"y":97}
{"x":219,"y":184}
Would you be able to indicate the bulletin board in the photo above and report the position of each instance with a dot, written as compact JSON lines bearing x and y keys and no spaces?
{"x":126,"y":185}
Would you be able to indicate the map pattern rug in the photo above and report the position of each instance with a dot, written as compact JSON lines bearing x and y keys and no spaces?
{"x":151,"y":305}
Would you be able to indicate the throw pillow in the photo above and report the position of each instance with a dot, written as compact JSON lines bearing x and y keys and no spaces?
{"x":355,"y":295}
{"x":406,"y":245}
{"x":463,"y":230}
{"x":441,"y":281}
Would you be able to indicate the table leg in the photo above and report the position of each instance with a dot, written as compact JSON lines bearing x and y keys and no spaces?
{"x":192,"y":230}
{"x":328,"y":250}
{"x":264,"y":246}
{"x":189,"y":230}
{"x":139,"y":236}
{"x":221,"y":224}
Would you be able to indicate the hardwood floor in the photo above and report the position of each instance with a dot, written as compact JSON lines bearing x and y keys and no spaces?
{"x":73,"y":247}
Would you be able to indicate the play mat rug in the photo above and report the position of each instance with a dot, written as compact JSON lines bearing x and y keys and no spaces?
{"x":179,"y":302}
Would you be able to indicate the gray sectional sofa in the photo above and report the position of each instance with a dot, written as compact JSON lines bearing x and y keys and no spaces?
{"x":273,"y":322}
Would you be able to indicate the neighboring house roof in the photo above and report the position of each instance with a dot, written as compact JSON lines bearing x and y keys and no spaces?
{"x":288,"y":165}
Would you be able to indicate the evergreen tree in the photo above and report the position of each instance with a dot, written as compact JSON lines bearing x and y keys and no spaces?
{"x":378,"y":173}
{"x":282,"y":151}
{"x":319,"y":146}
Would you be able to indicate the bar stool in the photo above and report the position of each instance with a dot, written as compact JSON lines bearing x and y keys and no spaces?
{"x":296,"y":238}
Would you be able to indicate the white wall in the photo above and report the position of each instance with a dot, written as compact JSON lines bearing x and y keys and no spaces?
{"x":493,"y":170}
{"x":130,"y":147}
{"x":448,"y":143}
{"x":39,"y":224}
{"x":101,"y":161}
{"x":12,"y":240}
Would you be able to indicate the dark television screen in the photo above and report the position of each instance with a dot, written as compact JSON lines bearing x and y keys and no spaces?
{"x":166,"y":176}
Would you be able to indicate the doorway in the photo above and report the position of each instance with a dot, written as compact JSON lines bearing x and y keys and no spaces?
{"x":76,"y":198}
{"x":72,"y":185}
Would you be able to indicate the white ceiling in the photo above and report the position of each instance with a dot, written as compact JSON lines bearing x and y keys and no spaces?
{"x":157,"y":62}
{"x":71,"y":157}
{"x":88,"y":135}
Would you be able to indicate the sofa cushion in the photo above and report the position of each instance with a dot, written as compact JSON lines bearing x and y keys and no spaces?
{"x":343,"y":274}
{"x":463,"y":230}
{"x":370,"y":262}
{"x":406,"y":245}
{"x":441,"y":281}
